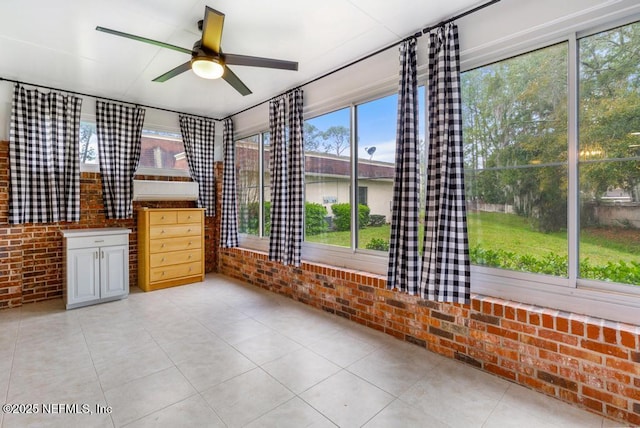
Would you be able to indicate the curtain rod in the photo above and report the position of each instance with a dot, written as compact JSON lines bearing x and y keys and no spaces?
{"x":379,"y":51}
{"x":103,"y":98}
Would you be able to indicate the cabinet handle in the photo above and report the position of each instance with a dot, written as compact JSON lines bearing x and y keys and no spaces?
{"x":162,"y":246}
{"x":98,"y":240}
{"x":190,"y":256}
{"x":102,"y":253}
{"x":162,"y":260}
{"x":96,"y":255}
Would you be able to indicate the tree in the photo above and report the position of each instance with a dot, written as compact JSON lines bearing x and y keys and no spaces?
{"x":610,"y":112}
{"x":337,"y":139}
{"x":87,"y":152}
{"x":515,"y":132}
{"x":312,"y":137}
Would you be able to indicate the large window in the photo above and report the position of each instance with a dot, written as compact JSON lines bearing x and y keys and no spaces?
{"x":248,"y":184}
{"x":330,"y":163}
{"x":609,"y":155}
{"x":515,"y":137}
{"x":253,"y":185}
{"x":376,"y":154}
{"x":327,"y":152}
{"x":552,"y":172}
{"x":161,"y":152}
{"x":530,"y":188}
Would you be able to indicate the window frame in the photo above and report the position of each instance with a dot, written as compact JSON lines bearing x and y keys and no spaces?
{"x":159,"y":172}
{"x":606,"y":300}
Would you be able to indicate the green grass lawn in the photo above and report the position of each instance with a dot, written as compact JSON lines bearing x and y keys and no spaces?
{"x":514,"y":234}
{"x":511,"y":233}
{"x":343,"y":239}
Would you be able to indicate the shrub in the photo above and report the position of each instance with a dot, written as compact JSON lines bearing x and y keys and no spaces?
{"x":249,"y":218}
{"x":377,"y":220}
{"x":314,"y":219}
{"x":377,"y":244}
{"x":554,"y":264}
{"x":342,"y":216}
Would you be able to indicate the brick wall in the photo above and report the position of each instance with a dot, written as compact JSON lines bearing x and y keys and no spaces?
{"x":31,"y":254}
{"x":590,"y":362}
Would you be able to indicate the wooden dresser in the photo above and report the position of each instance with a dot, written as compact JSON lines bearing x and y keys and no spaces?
{"x":170,"y":247}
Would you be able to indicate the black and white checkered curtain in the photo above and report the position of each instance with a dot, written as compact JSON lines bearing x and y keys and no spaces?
{"x":229,"y":221}
{"x":295,"y":221}
{"x":404,"y":268}
{"x":287,"y":180}
{"x":198,"y":136}
{"x":44,"y":157}
{"x":279,"y":180}
{"x":445,"y":261}
{"x":119,"y":129}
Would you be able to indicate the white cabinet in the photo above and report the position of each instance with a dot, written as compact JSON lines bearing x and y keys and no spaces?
{"x":96,"y":265}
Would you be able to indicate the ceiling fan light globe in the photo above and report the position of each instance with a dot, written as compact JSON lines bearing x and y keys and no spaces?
{"x":207,"y":68}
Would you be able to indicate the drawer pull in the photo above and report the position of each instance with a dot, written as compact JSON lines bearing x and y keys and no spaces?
{"x":189,"y":243}
{"x":98,"y":240}
{"x":161,"y":245}
{"x":162,"y":260}
{"x":190,"y":256}
{"x":162,"y":218}
{"x":189,"y":230}
{"x":162,"y":231}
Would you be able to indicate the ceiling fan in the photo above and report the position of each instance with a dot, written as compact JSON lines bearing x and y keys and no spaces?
{"x":207,"y":59}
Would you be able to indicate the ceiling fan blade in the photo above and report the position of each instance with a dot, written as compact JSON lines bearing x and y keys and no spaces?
{"x":234,"y":81}
{"x":144,"y":40}
{"x":212,"y":29}
{"x":173,"y":73}
{"x":255,"y":61}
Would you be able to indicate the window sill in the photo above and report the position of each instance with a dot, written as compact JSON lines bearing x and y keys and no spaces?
{"x":158,"y":172}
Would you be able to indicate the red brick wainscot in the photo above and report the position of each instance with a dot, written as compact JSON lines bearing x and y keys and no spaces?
{"x":590,"y":362}
{"x":31,"y":254}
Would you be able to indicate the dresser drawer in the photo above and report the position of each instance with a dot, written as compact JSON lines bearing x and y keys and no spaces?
{"x":174,"y":244}
{"x":159,"y":232}
{"x":189,"y":216}
{"x":175,"y":258}
{"x":175,"y":271}
{"x":163,"y":217}
{"x":170,"y":247}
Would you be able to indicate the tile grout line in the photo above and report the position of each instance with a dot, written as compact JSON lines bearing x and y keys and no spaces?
{"x":13,"y":358}
{"x":84,"y":336}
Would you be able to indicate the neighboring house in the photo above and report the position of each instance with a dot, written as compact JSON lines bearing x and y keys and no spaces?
{"x":327,"y":179}
{"x":159,"y":152}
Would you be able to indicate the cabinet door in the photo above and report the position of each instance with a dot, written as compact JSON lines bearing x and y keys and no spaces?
{"x":114,"y":271}
{"x":83,"y":275}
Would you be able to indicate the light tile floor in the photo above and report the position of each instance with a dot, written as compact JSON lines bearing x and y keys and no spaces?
{"x":222,"y":353}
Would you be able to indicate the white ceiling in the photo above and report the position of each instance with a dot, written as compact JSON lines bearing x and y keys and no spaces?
{"x":54,"y":43}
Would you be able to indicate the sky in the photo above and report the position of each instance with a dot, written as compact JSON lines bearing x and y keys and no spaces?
{"x":376,"y":125}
